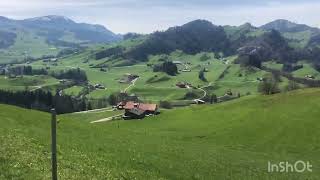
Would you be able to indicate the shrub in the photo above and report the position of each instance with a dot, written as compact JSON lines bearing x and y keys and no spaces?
{"x":166,"y":104}
{"x":269,"y":85}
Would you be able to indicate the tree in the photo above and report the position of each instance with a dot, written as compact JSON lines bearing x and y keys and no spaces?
{"x":213,"y":99}
{"x":217,"y":56}
{"x":113,"y":99}
{"x":204,"y":57}
{"x":165,"y":104}
{"x":168,"y":67}
{"x":292,"y":86}
{"x":89,"y":106}
{"x":269,"y":85}
{"x":202,"y":75}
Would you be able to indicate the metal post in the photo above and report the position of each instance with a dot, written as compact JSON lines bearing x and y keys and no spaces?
{"x":54,"y":144}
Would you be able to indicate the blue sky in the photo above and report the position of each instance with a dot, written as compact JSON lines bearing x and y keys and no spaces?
{"x":145,"y":16}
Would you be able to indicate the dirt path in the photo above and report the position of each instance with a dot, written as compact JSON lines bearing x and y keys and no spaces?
{"x":133,"y":83}
{"x":107,"y":119}
{"x":95,"y":110}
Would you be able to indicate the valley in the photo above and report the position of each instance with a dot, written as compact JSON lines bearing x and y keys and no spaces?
{"x":195,"y":101}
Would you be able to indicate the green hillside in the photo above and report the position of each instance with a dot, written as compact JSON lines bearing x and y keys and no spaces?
{"x":47,"y":36}
{"x":233,"y":140}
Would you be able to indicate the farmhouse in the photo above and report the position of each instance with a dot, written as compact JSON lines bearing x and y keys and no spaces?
{"x":128,"y":78}
{"x":99,"y":86}
{"x":309,"y":76}
{"x":199,"y":101}
{"x":135,"y":110}
{"x":54,"y":59}
{"x":183,"y":85}
{"x":176,"y":62}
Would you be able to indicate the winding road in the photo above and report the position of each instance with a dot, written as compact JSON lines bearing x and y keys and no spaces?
{"x":204,"y":91}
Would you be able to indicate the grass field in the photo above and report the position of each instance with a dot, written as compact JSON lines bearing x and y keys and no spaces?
{"x":233,"y":140}
{"x":155,"y":86}
{"x":307,"y":70}
{"x":27,"y":44}
{"x":27,"y":82}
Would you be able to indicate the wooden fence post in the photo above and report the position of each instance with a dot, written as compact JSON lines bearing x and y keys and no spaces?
{"x":54,"y":144}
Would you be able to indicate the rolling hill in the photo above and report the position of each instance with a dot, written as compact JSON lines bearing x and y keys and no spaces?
{"x":233,"y":140}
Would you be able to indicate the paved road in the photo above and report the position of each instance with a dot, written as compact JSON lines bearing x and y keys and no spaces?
{"x":204,"y":91}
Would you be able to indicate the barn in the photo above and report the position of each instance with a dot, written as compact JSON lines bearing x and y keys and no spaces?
{"x":135,"y":110}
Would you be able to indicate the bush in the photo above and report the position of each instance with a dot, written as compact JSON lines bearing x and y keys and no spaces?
{"x":74,"y":74}
{"x":168,"y":67}
{"x":202,"y":75}
{"x":191,"y":95}
{"x":292,"y":86}
{"x":166,"y":105}
{"x":269,"y":85}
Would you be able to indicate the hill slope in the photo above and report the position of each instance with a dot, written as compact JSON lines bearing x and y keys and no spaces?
{"x":233,"y":140}
{"x":47,"y":35}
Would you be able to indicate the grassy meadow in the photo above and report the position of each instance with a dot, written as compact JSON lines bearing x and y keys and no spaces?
{"x":233,"y":140}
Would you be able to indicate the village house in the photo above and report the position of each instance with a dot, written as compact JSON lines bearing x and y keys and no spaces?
{"x":177,"y":62}
{"x":183,"y":85}
{"x":128,"y":78}
{"x":99,"y":86}
{"x":135,"y":110}
{"x":309,"y":77}
{"x":199,"y":101}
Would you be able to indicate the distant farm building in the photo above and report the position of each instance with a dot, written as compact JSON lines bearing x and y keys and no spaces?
{"x":183,"y":85}
{"x":199,"y":101}
{"x":99,"y":86}
{"x":54,"y":59}
{"x":260,"y":79}
{"x":309,"y":76}
{"x":127,"y":78}
{"x":176,"y":62}
{"x":135,"y":110}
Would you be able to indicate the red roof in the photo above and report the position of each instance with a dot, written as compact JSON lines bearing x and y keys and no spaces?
{"x":145,"y":107}
{"x":129,"y":105}
{"x":148,"y":107}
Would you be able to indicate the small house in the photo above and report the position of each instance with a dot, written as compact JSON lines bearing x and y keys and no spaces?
{"x":183,"y":85}
{"x":176,"y":62}
{"x":135,"y":110}
{"x":54,"y":59}
{"x":134,"y":113}
{"x":99,"y":86}
{"x":199,"y":101}
{"x":309,"y":76}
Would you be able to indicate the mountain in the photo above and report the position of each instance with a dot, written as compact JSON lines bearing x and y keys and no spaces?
{"x":82,"y":31}
{"x":47,"y":35}
{"x":60,"y":26}
{"x":298,"y":35}
{"x":203,"y":36}
{"x":191,"y":38}
{"x":283,"y":26}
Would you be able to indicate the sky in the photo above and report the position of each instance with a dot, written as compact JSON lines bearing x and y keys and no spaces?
{"x":146,"y":16}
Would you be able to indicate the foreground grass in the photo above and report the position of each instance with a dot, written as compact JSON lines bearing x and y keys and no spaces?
{"x":234,"y":140}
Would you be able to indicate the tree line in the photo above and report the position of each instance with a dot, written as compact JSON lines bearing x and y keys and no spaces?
{"x":43,"y":101}
{"x":77,"y":75}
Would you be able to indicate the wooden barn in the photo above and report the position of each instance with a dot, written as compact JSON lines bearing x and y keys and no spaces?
{"x":138,"y":110}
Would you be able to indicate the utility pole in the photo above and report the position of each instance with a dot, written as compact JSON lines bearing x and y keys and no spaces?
{"x":54,"y":143}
